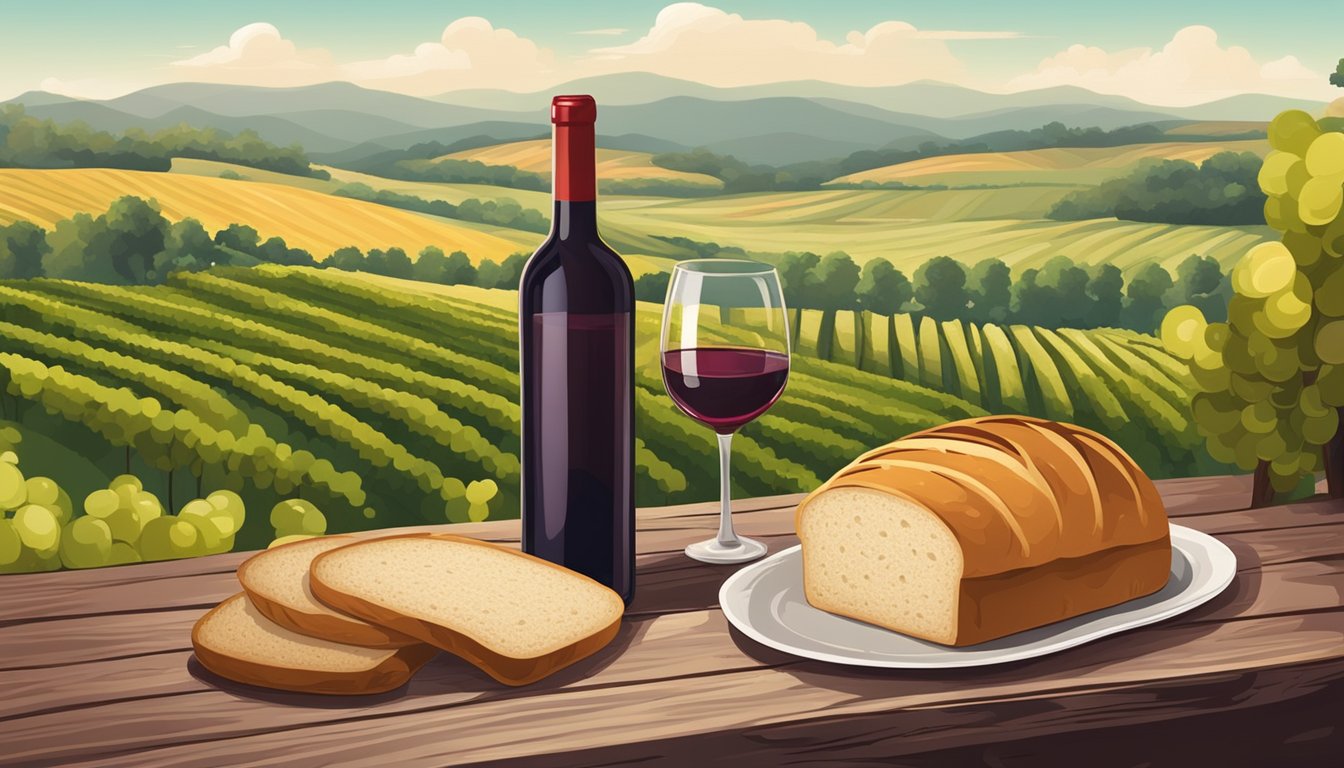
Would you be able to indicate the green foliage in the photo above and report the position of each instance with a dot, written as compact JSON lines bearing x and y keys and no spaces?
{"x":27,"y":142}
{"x":940,"y":287}
{"x":23,"y":246}
{"x":507,"y":274}
{"x":1271,"y":392}
{"x":451,"y":171}
{"x":433,"y":266}
{"x":883,"y":289}
{"x":652,"y":286}
{"x":1221,"y":190}
{"x":503,"y":213}
{"x":990,"y":286}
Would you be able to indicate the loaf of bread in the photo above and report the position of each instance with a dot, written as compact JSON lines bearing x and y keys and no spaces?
{"x":234,"y":640}
{"x":517,"y":617}
{"x":276,"y":581}
{"x":981,"y":528}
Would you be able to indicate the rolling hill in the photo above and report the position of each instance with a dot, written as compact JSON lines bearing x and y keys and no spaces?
{"x":909,"y":227}
{"x":1062,"y":165}
{"x":307,"y":219}
{"x":612,"y":164}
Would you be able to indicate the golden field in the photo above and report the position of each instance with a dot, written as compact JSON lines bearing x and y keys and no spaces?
{"x":319,"y":223}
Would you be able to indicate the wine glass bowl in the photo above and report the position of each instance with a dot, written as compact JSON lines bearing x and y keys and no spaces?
{"x":725,"y":360}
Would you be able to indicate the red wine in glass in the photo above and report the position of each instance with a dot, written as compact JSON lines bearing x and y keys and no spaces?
{"x":725,"y":360}
{"x":724,"y":387}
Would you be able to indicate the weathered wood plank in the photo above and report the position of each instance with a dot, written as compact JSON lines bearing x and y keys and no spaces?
{"x":520,"y":726}
{"x":1289,"y":713}
{"x":1278,"y":590}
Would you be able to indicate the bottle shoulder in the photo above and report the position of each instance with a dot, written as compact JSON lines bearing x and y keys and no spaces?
{"x":576,"y":276}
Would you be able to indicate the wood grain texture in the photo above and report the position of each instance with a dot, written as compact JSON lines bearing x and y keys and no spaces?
{"x":97,"y":670}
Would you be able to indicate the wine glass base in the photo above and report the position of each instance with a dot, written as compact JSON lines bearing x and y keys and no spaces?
{"x":711,"y":551}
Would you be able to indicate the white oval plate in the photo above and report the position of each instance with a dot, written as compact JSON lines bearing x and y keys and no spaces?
{"x":765,"y":601}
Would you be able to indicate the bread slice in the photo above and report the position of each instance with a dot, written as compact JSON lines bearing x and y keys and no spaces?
{"x":517,"y":617}
{"x":234,"y":640}
{"x":276,"y":581}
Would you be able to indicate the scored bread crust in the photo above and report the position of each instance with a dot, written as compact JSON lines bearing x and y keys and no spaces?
{"x":341,"y":629}
{"x":393,"y":672}
{"x":505,"y":669}
{"x":1101,"y":537}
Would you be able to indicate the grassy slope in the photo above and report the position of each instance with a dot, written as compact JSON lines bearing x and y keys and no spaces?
{"x":870,"y":224}
{"x":535,"y":156}
{"x":1054,"y":166}
{"x":308,"y":219}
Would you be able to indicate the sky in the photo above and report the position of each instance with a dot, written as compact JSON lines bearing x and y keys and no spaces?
{"x":1161,"y":52}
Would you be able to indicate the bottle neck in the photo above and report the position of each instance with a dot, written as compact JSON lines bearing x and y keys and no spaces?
{"x":573,"y":172}
{"x":575,"y":220}
{"x":574,"y":178}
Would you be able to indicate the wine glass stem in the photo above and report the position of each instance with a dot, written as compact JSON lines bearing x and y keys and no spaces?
{"x":726,"y":536}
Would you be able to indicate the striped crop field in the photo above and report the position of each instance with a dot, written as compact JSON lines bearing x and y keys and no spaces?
{"x":1058,"y":165}
{"x":319,"y":223}
{"x":381,"y":401}
{"x":869,"y":224}
{"x":1119,"y":382}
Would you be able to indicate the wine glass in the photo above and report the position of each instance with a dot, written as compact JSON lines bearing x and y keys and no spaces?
{"x":725,"y":360}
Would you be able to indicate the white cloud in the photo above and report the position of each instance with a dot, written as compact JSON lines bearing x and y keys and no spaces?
{"x":1191,"y":68}
{"x":258,"y":53}
{"x":471,"y":53}
{"x":697,"y":42}
{"x":606,"y":31}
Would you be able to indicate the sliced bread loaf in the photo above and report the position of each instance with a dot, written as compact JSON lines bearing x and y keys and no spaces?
{"x":276,"y":580}
{"x":974,"y":530}
{"x":234,"y":640}
{"x":517,"y":617}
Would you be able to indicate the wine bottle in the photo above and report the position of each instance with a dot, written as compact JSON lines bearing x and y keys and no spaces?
{"x":576,"y":331}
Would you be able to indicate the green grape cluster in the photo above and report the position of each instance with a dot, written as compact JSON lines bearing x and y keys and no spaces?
{"x":122,"y":523}
{"x":202,"y":527}
{"x":1271,"y":379}
{"x":295,"y":520}
{"x":33,"y":511}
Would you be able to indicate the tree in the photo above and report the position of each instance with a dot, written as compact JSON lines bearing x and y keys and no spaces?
{"x":940,"y":286}
{"x":433,"y":266}
{"x":238,"y":237}
{"x":1105,"y":287}
{"x":133,"y":233}
{"x":23,"y":246}
{"x":1069,"y":303}
{"x":349,"y":258}
{"x":837,"y":277}
{"x":393,"y":262}
{"x":883,"y":289}
{"x":1200,"y":282}
{"x":796,"y":279}
{"x":1337,"y":77}
{"x":275,"y":251}
{"x":511,"y":271}
{"x":990,"y":286}
{"x":1144,"y":305}
{"x":652,"y":286}
{"x":487,"y":273}
{"x":188,"y":247}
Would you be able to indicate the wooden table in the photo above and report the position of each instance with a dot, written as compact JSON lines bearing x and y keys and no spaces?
{"x":96,"y":669}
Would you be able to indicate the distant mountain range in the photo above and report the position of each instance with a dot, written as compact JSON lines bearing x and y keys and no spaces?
{"x":776,"y":123}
